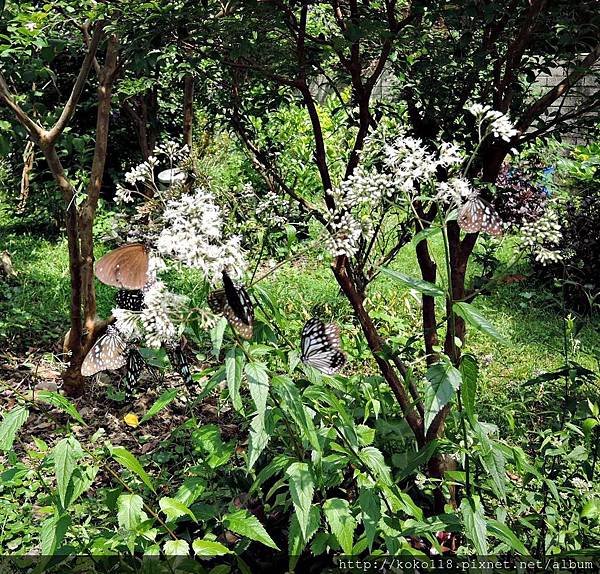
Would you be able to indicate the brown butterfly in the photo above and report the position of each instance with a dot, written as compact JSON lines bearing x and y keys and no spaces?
{"x":233,"y":302}
{"x":476,"y":215}
{"x":125,"y":267}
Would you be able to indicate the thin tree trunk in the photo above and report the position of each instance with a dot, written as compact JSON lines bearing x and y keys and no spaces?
{"x":188,"y":110}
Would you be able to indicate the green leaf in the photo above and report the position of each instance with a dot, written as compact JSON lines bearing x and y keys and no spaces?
{"x":373,"y":458}
{"x":296,"y":540}
{"x":173,"y":508}
{"x":216,"y":336}
{"x":234,"y":364}
{"x":66,"y":454}
{"x":12,"y":421}
{"x":493,"y":461}
{"x":469,"y":370}
{"x":52,"y":533}
{"x":126,"y":459}
{"x":342,"y":523}
{"x":474,"y":523}
{"x":473,"y":316}
{"x":61,"y":402}
{"x":191,"y":489}
{"x":176,"y":548}
{"x":425,"y":234}
{"x":370,"y":507}
{"x":302,"y":489}
{"x":129,"y":511}
{"x":209,"y":548}
{"x":246,"y":524}
{"x":259,"y":438}
{"x":506,"y":535}
{"x":258,"y":379}
{"x":278,"y":464}
{"x":444,"y":380}
{"x":591,"y":509}
{"x":416,"y":460}
{"x":418,"y":284}
{"x":160,"y":403}
{"x":292,"y":404}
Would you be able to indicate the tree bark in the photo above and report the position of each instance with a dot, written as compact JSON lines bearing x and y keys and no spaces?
{"x":188,"y":110}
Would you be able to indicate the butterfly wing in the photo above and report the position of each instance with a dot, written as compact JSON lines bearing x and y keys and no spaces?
{"x":135,"y":364}
{"x":107,"y":354}
{"x":233,"y":302}
{"x":180,"y":364}
{"x":321,"y":346}
{"x":125,"y":267}
{"x":131,"y":300}
{"x":477,"y":215}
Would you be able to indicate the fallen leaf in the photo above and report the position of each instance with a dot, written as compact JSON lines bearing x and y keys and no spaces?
{"x":131,"y":420}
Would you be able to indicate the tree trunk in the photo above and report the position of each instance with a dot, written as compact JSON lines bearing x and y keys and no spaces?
{"x":188,"y":110}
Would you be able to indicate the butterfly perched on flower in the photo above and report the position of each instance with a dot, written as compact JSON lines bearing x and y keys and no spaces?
{"x":477,"y":215}
{"x":321,"y":347}
{"x":107,"y":354}
{"x":125,"y":267}
{"x":135,"y":364}
{"x":233,"y":302}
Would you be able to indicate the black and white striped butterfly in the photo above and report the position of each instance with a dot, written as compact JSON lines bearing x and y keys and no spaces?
{"x":180,"y":364}
{"x":135,"y":365}
{"x":233,"y":302}
{"x":321,"y":347}
{"x":477,"y":215}
{"x":130,"y":300}
{"x":107,"y":354}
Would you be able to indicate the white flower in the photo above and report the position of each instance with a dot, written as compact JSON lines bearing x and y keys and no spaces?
{"x":542,"y":237}
{"x":346,"y":232}
{"x":496,"y":122}
{"x":123,"y":195}
{"x":160,"y":315}
{"x":503,"y":129}
{"x":450,"y":155}
{"x":193,"y":235}
{"x":172,"y":150}
{"x":455,"y":191}
{"x":128,"y":323}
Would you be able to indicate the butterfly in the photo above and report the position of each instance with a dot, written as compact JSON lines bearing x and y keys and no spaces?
{"x":233,"y":302}
{"x":321,"y":347}
{"x":135,"y":364}
{"x":107,"y":354}
{"x":125,"y":267}
{"x":476,"y":215}
{"x":180,"y":363}
{"x":131,"y":300}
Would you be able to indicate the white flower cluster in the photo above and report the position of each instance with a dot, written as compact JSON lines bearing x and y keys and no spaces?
{"x":172,"y":150}
{"x":161,"y":315}
{"x":192,"y":235}
{"x":408,"y":165}
{"x":495,"y":122}
{"x":542,"y":238}
{"x":128,"y":323}
{"x":455,"y":191}
{"x":142,"y":173}
{"x":271,"y":207}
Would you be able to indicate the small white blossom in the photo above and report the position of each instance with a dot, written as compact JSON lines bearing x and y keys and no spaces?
{"x":172,"y":150}
{"x":542,"y":238}
{"x":450,"y":155}
{"x":495,"y":122}
{"x":346,"y":232}
{"x":160,"y":315}
{"x":580,"y":484}
{"x":128,"y":323}
{"x":123,"y":195}
{"x":455,"y":191}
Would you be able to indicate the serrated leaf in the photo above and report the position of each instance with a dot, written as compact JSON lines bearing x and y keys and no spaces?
{"x":258,"y":380}
{"x":159,"y":404}
{"x":176,"y":548}
{"x":173,"y":508}
{"x":293,"y":405}
{"x":591,"y":509}
{"x":474,"y":523}
{"x":126,"y":459}
{"x":418,"y":459}
{"x":302,"y":488}
{"x":469,"y":370}
{"x":66,"y":454}
{"x":259,"y":438}
{"x":234,"y":365}
{"x":60,"y":402}
{"x":209,"y":548}
{"x":246,"y":524}
{"x":370,"y":507}
{"x":52,"y":533}
{"x":473,"y":317}
{"x":373,"y":458}
{"x":296,"y":540}
{"x":443,"y":381}
{"x":216,"y":336}
{"x":129,"y":511}
{"x":506,"y":535}
{"x":424,"y":287}
{"x":493,"y":461}
{"x":342,"y":523}
{"x":12,"y":421}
